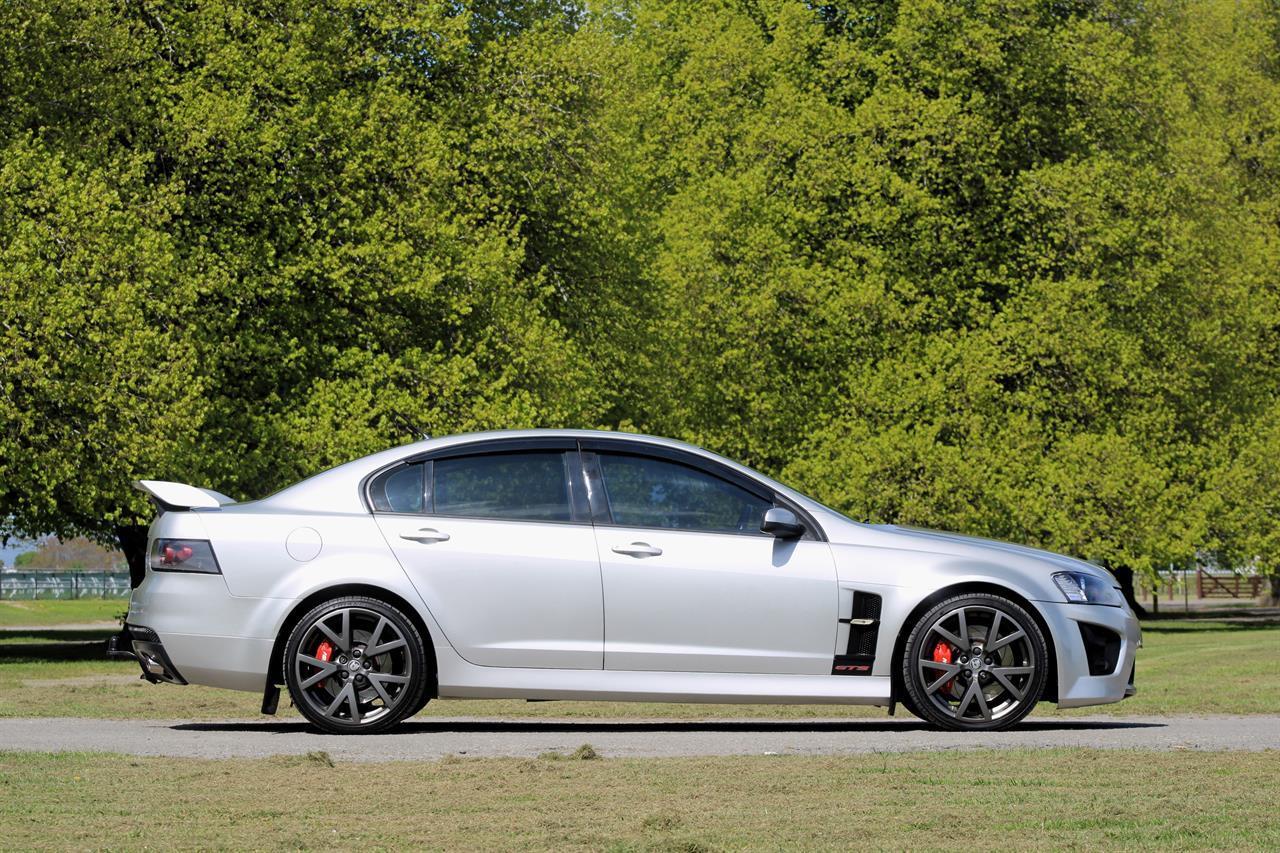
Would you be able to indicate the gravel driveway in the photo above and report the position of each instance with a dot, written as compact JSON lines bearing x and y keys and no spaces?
{"x":433,"y":738}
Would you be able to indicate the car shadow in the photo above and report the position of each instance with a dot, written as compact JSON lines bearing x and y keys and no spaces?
{"x":418,"y":727}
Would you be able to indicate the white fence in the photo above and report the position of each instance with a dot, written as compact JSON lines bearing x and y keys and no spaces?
{"x":80,"y":583}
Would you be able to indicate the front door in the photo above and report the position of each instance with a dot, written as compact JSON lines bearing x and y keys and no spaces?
{"x":692,"y":585}
{"x":503,"y":554}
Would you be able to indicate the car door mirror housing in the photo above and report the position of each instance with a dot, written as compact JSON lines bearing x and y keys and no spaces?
{"x":782,"y":523}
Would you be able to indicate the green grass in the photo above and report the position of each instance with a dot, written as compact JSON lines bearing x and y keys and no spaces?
{"x":1185,"y":667}
{"x":61,"y":611}
{"x":1055,"y":799}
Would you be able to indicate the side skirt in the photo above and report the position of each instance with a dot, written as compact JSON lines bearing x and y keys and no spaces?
{"x":463,"y":680}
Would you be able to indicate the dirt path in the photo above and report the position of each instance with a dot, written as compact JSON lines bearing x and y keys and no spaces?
{"x":435,"y":738}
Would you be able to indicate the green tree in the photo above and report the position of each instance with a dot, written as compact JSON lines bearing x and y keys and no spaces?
{"x":79,"y":553}
{"x":245,"y":243}
{"x":1004,"y":267}
{"x":997,"y":253}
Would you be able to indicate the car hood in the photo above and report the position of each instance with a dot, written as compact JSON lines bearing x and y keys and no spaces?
{"x":970,"y":548}
{"x":956,"y":543}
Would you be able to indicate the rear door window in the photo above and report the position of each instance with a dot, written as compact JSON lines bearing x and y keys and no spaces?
{"x":526,"y":486}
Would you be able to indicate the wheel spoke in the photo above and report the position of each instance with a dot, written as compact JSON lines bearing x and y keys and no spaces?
{"x":964,"y":629}
{"x":1008,"y":685}
{"x":950,"y":637}
{"x":376,"y":683}
{"x":374,"y":651}
{"x":315,"y":679}
{"x":341,"y":640}
{"x":937,"y":664}
{"x":326,"y":669}
{"x":966,"y":699}
{"x":387,"y":677}
{"x":377,"y":632}
{"x":947,"y":676}
{"x":347,"y":691}
{"x":353,"y":701}
{"x":1013,"y":670}
{"x":328,"y":632}
{"x":1006,"y":640}
{"x":982,"y":700}
{"x":994,"y":632}
{"x":322,"y":664}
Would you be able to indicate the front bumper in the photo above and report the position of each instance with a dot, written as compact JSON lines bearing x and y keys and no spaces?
{"x":1079,"y":681}
{"x":143,"y":645}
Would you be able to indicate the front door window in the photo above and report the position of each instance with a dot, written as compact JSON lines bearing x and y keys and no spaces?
{"x":644,"y":491}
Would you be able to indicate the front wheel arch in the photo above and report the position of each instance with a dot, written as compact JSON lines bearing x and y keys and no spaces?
{"x":1050,"y":693}
{"x":275,"y":676}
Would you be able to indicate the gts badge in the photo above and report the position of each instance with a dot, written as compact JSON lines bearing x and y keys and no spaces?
{"x":851,"y":668}
{"x":852,"y":665}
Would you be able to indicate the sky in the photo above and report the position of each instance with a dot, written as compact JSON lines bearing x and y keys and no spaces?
{"x":13,"y":549}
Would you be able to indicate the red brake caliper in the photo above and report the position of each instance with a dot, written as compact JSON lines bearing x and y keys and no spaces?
{"x":324,"y":651}
{"x":942,"y":654}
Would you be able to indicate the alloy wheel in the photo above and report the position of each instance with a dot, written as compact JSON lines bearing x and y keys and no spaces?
{"x":976,"y":662}
{"x":352,"y":667}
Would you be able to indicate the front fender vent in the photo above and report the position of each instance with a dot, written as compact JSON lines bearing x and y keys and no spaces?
{"x":859,"y":656}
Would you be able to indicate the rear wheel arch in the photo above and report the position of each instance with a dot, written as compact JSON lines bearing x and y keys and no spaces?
{"x":904,"y":631}
{"x":303,"y":606}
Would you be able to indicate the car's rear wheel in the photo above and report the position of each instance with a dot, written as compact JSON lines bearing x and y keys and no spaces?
{"x":356,"y":665}
{"x":975,"y":662}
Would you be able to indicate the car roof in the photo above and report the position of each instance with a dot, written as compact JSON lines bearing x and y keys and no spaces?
{"x":338,"y":489}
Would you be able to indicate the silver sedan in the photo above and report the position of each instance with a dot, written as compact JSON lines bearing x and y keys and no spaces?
{"x":594,"y":565}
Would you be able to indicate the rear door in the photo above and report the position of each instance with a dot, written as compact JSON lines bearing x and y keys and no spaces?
{"x":498,"y":542}
{"x":690,"y":582}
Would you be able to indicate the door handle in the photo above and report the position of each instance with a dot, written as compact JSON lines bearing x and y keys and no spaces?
{"x":426,"y":536}
{"x":637,"y":549}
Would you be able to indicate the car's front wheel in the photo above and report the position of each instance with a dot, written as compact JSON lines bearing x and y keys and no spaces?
{"x":975,"y":662}
{"x":356,"y":665}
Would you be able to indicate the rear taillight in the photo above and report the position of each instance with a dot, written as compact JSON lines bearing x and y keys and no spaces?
{"x":183,"y":555}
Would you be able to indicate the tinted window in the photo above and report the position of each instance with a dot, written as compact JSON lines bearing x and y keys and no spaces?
{"x":530,"y":486}
{"x":647,"y":492}
{"x":398,"y":490}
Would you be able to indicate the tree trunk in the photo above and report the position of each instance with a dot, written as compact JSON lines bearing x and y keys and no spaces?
{"x":1124,"y":575}
{"x":1274,"y":600}
{"x":133,"y":542}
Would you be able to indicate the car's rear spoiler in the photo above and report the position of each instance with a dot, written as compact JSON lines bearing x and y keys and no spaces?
{"x":181,"y":496}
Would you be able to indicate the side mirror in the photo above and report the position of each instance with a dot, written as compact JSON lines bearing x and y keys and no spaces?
{"x":782,"y":522}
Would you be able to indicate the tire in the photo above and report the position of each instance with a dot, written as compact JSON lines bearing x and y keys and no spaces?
{"x":909,"y":705}
{"x":341,"y":688}
{"x":996,"y":691}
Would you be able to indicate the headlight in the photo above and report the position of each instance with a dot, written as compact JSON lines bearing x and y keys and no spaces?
{"x":183,"y":555}
{"x":1084,"y":588}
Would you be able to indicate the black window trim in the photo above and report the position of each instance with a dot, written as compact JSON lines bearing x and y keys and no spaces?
{"x":587,"y":480}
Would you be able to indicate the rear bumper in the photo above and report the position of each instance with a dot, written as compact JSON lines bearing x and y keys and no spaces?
{"x":143,"y":645}
{"x":210,"y":637}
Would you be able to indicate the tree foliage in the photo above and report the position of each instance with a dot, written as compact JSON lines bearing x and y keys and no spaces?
{"x":79,"y":553}
{"x":1003,"y":267}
